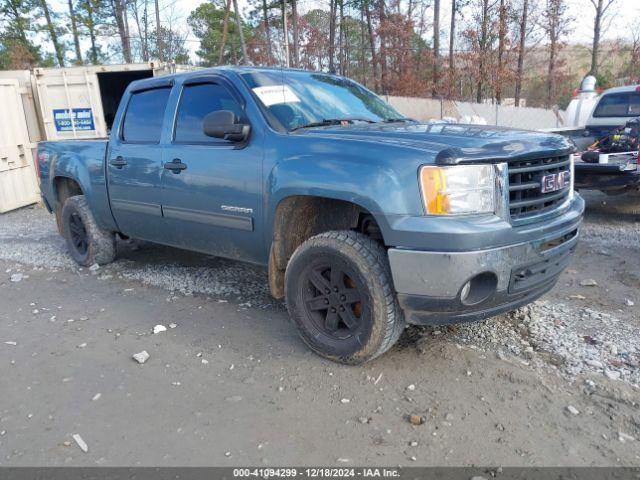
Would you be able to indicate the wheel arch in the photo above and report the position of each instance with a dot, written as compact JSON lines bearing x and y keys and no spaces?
{"x":63,"y":188}
{"x":299,"y":217}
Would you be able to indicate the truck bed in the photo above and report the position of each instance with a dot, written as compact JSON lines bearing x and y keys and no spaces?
{"x":70,"y":158}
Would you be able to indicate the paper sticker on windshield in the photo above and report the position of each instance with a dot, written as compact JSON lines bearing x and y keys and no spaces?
{"x":274,"y":94}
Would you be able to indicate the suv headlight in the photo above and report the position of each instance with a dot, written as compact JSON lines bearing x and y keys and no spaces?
{"x":458,"y":189}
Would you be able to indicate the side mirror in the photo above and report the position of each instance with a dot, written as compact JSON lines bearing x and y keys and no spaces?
{"x":224,"y":124}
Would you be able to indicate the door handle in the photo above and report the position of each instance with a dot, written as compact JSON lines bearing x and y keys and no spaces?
{"x":176,"y":166}
{"x":118,"y":162}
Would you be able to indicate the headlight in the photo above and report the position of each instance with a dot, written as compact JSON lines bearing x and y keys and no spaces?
{"x":458,"y":189}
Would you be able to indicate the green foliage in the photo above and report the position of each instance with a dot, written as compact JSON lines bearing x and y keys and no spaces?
{"x":207,"y":23}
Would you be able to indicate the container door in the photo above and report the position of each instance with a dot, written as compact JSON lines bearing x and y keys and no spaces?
{"x":134,"y":165}
{"x":70,"y":103}
{"x":18,"y":182}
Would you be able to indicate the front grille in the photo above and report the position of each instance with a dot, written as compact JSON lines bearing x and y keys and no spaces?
{"x":525,"y":186}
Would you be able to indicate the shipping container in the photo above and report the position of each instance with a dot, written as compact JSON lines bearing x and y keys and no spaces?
{"x":57,"y":104}
{"x":18,"y":182}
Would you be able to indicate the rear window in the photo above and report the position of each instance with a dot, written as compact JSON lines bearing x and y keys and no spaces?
{"x":625,"y":104}
{"x":145,"y":112}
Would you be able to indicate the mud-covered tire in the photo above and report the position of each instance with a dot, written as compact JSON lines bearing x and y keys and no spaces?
{"x":354,"y":285}
{"x":87,"y":243}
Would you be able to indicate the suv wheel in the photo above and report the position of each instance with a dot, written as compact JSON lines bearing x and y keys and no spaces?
{"x":87,"y":243}
{"x":340,"y":296}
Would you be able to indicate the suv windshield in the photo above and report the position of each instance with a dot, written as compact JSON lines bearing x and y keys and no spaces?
{"x":307,"y":99}
{"x":626,"y":104}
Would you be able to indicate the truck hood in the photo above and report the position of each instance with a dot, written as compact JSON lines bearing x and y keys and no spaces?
{"x":452,"y":143}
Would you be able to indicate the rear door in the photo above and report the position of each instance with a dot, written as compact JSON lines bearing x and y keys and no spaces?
{"x":134,"y":164}
{"x":213,"y":204}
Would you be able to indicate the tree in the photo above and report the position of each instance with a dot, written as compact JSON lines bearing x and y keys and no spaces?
{"x":556,"y":25}
{"x":74,"y":32}
{"x":333,"y":4}
{"x":502,"y":40}
{"x":601,"y":7}
{"x":243,"y":45}
{"x":54,"y":31}
{"x":436,"y":46}
{"x":17,"y":51}
{"x":92,"y":15}
{"x":119,"y":14}
{"x":523,"y":26}
{"x":296,"y":33}
{"x":207,"y":23}
{"x":140,"y":11}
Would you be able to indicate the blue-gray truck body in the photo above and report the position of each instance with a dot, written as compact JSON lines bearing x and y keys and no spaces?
{"x":229,"y":199}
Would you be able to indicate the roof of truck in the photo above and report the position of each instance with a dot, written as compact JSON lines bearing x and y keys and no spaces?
{"x":626,"y":88}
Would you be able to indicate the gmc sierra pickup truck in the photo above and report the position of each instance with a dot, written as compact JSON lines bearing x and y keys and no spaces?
{"x":365,"y":219}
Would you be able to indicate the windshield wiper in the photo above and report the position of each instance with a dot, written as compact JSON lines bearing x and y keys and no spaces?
{"x":400,"y":119}
{"x":331,"y":121}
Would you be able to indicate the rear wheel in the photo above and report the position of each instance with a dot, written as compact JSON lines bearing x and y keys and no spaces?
{"x":87,"y":243}
{"x":340,"y":297}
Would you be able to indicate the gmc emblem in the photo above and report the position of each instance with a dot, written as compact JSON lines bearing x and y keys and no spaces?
{"x":555,"y":181}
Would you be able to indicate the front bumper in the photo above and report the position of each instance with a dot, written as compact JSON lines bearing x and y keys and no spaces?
{"x":604,"y":177}
{"x":430,"y":284}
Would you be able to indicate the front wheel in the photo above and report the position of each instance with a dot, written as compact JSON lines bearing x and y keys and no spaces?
{"x":87,"y":243}
{"x":340,"y":297}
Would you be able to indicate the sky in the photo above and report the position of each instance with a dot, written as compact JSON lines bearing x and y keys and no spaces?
{"x":626,"y":13}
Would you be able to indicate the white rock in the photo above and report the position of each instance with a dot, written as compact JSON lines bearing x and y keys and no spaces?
{"x":411,"y":387}
{"x":205,"y":361}
{"x":11,"y":343}
{"x":572,"y":410}
{"x":172,"y":325}
{"x":17,"y":277}
{"x":159,"y":329}
{"x":94,"y":268}
{"x":594,"y":363}
{"x":345,"y":400}
{"x":81,"y":443}
{"x":612,"y":374}
{"x":589,"y":282}
{"x":629,"y":303}
{"x":176,"y":384}
{"x":96,"y":397}
{"x":82,"y":345}
{"x":141,"y":357}
{"x":625,"y":437}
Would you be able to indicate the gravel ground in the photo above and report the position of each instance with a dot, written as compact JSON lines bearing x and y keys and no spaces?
{"x":563,"y":332}
{"x":510,"y":378}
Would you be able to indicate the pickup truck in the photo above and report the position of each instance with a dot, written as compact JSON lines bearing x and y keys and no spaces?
{"x":608,"y":143}
{"x":365,"y":220}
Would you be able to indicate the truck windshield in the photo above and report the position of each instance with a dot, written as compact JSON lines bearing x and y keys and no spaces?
{"x":306,"y":99}
{"x":624,"y":104}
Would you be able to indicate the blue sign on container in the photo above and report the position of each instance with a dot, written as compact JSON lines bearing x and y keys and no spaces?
{"x":82,"y":119}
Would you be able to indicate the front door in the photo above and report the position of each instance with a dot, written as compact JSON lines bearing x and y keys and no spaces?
{"x":211,"y":201}
{"x":134,"y":166}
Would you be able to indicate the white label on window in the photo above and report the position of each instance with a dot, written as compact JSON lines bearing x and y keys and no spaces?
{"x":274,"y":94}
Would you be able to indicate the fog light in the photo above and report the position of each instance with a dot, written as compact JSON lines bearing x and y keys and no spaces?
{"x":479,"y":288}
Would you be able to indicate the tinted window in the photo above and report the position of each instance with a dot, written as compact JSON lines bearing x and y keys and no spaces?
{"x":143,"y":120}
{"x":196,"y":103}
{"x":619,"y":105}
